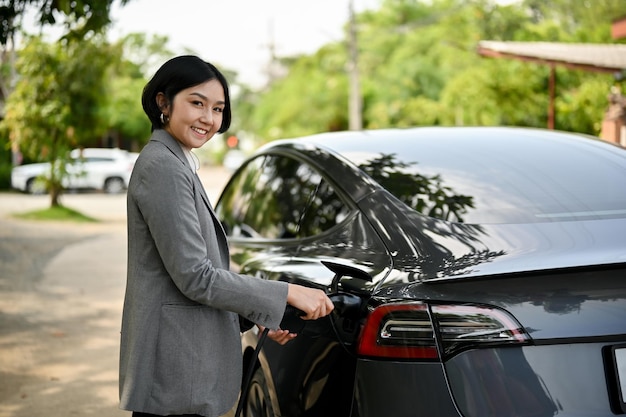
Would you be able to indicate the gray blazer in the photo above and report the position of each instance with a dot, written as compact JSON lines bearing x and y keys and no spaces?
{"x":180,"y":347}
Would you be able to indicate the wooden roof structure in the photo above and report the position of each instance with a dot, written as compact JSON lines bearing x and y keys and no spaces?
{"x":608,"y":58}
{"x":605,"y":58}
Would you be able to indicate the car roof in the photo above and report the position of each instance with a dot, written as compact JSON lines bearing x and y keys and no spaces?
{"x":355,"y":145}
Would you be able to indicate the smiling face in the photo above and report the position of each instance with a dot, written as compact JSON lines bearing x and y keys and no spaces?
{"x":195,"y":114}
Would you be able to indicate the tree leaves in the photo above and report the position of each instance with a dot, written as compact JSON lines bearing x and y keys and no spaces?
{"x":418,"y":66}
{"x":81,"y":18}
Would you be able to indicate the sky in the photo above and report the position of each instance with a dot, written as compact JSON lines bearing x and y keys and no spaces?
{"x":237,"y":34}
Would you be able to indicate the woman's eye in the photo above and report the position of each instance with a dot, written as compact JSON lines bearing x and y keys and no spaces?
{"x":218,"y":109}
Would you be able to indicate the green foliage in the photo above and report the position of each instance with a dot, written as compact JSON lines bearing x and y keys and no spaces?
{"x":418,"y":66}
{"x":124,"y":112}
{"x":81,"y":18}
{"x":417,"y":61}
{"x":582,"y":21}
{"x":312,"y":98}
{"x":76,"y":91}
{"x":133,"y":57}
{"x":578,"y":108}
{"x":56,"y":103}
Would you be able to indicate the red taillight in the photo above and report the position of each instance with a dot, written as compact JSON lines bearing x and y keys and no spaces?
{"x":399,"y":331}
{"x":415,"y":330}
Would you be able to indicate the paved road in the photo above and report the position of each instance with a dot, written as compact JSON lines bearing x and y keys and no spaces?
{"x":61,"y":292}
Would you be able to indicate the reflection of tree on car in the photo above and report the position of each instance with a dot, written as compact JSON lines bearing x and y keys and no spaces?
{"x":426,"y":195}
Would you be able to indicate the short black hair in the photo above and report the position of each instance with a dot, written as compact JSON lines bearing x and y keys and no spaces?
{"x":176,"y":75}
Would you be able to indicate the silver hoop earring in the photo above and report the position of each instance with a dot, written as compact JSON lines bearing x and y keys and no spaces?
{"x":164,"y":119}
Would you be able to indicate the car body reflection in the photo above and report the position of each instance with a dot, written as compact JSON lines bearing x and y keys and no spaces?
{"x":488,"y":265}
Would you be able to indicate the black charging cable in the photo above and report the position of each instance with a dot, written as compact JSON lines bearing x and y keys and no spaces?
{"x":246,"y":384}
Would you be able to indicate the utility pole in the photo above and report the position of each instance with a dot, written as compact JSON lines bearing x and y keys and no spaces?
{"x":274,"y":69}
{"x":271,"y":66}
{"x":355,"y":102}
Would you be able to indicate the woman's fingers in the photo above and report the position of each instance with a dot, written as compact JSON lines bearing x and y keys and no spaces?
{"x":313,"y":302}
{"x":281,"y":336}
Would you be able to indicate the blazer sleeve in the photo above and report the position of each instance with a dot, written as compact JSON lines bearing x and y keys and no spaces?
{"x":166,"y":195}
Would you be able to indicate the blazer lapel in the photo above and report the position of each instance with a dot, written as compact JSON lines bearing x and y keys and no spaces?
{"x":219,"y":229}
{"x":172,"y":144}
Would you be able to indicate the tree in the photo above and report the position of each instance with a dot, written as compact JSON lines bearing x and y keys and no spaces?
{"x":56,"y":102}
{"x":81,"y":17}
{"x":418,"y":66}
{"x":313,"y":98}
{"x":135,"y":54}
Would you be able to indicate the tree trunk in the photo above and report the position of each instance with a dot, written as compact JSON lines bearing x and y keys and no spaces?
{"x":55,"y":196}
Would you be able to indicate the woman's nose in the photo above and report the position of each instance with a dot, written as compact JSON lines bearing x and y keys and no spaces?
{"x":207,"y":117}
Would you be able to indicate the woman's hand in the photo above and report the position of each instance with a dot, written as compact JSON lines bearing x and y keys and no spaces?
{"x":313,"y":302}
{"x":279,"y":336}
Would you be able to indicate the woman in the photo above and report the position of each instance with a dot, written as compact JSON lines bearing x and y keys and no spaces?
{"x":180,"y":342}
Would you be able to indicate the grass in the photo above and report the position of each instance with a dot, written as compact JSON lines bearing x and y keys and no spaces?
{"x":56,"y":213}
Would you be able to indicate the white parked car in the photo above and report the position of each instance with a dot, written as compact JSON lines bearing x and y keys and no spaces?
{"x":106,"y":169}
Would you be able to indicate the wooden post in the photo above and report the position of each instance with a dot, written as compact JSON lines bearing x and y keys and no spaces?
{"x":552,"y":89}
